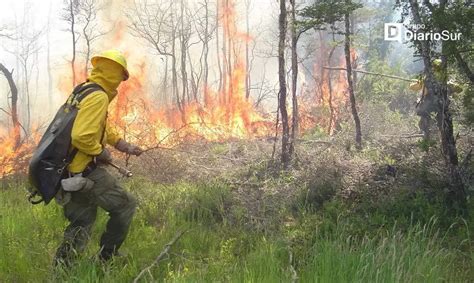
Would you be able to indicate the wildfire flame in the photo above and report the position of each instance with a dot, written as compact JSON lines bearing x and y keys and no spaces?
{"x":329,"y":99}
{"x":15,"y":154}
{"x":219,"y":116}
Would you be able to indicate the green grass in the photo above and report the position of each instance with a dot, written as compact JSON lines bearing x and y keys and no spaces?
{"x":326,"y":245}
{"x":395,"y":257}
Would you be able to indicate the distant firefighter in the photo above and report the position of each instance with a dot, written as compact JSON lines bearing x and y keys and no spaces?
{"x":428,"y":104}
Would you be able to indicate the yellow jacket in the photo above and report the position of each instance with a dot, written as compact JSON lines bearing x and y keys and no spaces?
{"x":91,"y":118}
{"x":420,"y":84}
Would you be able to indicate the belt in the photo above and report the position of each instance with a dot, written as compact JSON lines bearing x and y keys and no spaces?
{"x":89,"y":168}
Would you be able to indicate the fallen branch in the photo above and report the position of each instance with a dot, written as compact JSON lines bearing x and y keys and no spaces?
{"x":314,"y":141}
{"x":409,"y":136}
{"x":163,"y":253}
{"x":371,"y":73}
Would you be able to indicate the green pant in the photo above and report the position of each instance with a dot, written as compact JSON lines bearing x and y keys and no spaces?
{"x":81,"y":212}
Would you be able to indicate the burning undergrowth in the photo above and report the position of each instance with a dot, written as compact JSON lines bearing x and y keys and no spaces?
{"x":214,"y":115}
{"x":14,"y":159}
{"x":141,"y":121}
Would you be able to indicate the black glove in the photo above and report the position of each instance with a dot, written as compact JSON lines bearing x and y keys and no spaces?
{"x":104,"y":157}
{"x":126,"y":147}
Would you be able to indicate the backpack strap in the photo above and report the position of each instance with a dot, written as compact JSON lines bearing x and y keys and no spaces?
{"x":79,"y":93}
{"x":78,"y":88}
{"x":82,"y":90}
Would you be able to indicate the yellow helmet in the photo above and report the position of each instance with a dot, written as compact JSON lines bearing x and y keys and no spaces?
{"x":437,"y":63}
{"x":115,"y":56}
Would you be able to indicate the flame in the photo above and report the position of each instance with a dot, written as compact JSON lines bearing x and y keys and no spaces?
{"x":15,"y":153}
{"x":329,"y":98}
{"x":219,"y":116}
{"x":335,"y":87}
{"x":216,"y":120}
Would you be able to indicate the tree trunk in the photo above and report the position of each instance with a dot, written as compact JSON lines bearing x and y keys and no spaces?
{"x":14,"y":105}
{"x":247,"y":60}
{"x":174,"y":72}
{"x":352,"y":21}
{"x":73,"y":60}
{"x":224,"y":52}
{"x":88,"y":54}
{"x":164,"y":91}
{"x":294,"y":79}
{"x":218,"y":48}
{"x":332,"y":107}
{"x":350,"y":84}
{"x":26,"y":74}
{"x":206,"y":50}
{"x":48,"y":61}
{"x":183,"y":47}
{"x":285,"y":153}
{"x":457,"y":194}
{"x":320,"y":79}
{"x":174,"y":76}
{"x":229,"y":53}
{"x":88,"y":45}
{"x":195,"y":79}
{"x":87,"y":10}
{"x":463,"y":65}
{"x":230,"y":47}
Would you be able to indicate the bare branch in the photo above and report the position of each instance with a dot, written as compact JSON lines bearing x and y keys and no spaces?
{"x":371,"y":73}
{"x":164,"y":252}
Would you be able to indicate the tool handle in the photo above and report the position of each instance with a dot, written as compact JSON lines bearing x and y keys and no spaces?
{"x":123,"y":171}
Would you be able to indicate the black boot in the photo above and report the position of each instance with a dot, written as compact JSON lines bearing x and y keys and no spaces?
{"x":64,"y":256}
{"x":107,"y":254}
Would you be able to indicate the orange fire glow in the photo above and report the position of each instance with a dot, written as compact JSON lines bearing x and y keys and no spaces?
{"x":334,"y":88}
{"x":220,"y":115}
{"x":15,"y":154}
{"x":329,"y":97}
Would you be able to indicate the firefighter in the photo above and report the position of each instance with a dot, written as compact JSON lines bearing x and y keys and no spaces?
{"x":427,"y":104}
{"x":89,"y":135}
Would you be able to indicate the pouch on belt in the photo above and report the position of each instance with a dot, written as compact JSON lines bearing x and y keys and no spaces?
{"x":72,"y":184}
{"x":77,"y":183}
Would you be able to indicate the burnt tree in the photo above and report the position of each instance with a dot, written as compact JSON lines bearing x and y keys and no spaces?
{"x":71,"y":10}
{"x":247,"y":54}
{"x":157,"y":25}
{"x":332,"y":106}
{"x":14,"y":105}
{"x":321,"y":14}
{"x":294,"y":77}
{"x":87,"y":12}
{"x":350,"y":82}
{"x":285,"y":139}
{"x":221,"y":75}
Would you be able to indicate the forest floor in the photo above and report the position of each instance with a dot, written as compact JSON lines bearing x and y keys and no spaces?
{"x":338,"y":215}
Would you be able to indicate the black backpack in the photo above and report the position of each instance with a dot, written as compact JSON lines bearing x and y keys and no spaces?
{"x":48,"y":166}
